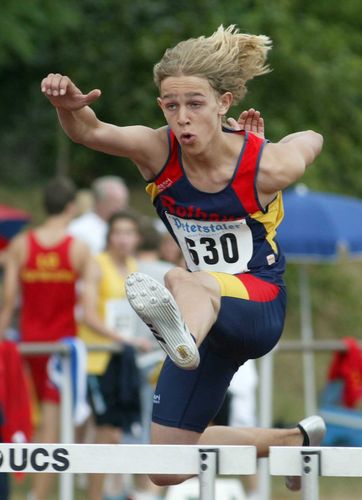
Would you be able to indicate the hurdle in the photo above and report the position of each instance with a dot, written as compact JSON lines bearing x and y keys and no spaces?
{"x":66,"y":486}
{"x":205,"y":461}
{"x":312,"y":462}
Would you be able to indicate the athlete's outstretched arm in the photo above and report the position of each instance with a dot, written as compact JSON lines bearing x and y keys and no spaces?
{"x":285,"y":162}
{"x":144,"y":146}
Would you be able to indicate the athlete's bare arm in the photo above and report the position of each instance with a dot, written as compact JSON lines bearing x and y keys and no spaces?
{"x":90,"y":300}
{"x":285,"y":162}
{"x":281,"y":163}
{"x":146,"y":147}
{"x":80,"y":256}
{"x":13,"y":261}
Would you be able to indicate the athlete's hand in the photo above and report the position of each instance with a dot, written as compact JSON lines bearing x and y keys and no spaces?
{"x":62,"y":93}
{"x":249,"y":120}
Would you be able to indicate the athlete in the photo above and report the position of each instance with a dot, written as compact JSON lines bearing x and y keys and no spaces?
{"x":108,"y":318}
{"x":42,"y":266}
{"x":219,"y":193}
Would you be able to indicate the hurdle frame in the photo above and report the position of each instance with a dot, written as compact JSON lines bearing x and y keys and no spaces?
{"x":206,"y":462}
{"x":66,"y":486}
{"x":313,"y":462}
{"x":66,"y":483}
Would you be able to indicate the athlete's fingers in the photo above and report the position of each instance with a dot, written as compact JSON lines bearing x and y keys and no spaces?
{"x":242,"y":118}
{"x":43,"y":85}
{"x":249,"y":119}
{"x":53,"y":88}
{"x":50,"y":83}
{"x":236,"y":125}
{"x":261,"y":127}
{"x":255,"y":121}
{"x":46,"y":83}
{"x":257,"y":124}
{"x":55,"y":84}
{"x":92,"y":96}
{"x":63,"y":84}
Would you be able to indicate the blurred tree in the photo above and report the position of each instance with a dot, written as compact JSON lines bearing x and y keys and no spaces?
{"x":113,"y":45}
{"x":28,"y":33}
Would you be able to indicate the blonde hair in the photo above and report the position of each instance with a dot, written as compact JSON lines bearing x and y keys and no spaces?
{"x":227,"y":58}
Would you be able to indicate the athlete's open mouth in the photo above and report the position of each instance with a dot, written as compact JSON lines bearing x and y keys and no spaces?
{"x":187,"y":138}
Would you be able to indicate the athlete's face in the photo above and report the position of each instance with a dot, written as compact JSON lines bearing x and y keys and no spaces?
{"x":124,"y":238}
{"x":193,"y":110}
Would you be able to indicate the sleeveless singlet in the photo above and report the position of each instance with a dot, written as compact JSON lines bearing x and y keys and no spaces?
{"x":48,"y":292}
{"x":227,"y":231}
{"x":111,"y":288}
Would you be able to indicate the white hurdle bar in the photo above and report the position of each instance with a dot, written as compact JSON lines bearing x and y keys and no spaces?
{"x":312,"y":462}
{"x":204,"y":461}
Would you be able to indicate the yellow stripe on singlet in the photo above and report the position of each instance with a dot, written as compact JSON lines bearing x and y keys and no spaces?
{"x":271,"y":219}
{"x":152,"y":190}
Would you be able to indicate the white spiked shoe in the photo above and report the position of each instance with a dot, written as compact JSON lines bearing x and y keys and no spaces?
{"x":155,"y":305}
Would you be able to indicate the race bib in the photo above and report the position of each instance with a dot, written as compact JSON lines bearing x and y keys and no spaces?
{"x":120,"y":317}
{"x":225,"y":247}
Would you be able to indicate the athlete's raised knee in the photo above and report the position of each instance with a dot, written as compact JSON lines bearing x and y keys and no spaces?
{"x":176,"y":276}
{"x":165,"y":480}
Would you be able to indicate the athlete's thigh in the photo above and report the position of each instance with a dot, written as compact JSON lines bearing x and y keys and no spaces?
{"x":45,"y":390}
{"x":189,"y":399}
{"x":203,"y":279}
{"x":250,"y":319}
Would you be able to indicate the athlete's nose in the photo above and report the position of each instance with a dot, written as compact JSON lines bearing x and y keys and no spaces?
{"x":182,"y":118}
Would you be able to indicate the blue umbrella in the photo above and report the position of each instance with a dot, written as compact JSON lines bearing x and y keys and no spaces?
{"x":12,"y":221}
{"x":317,"y":227}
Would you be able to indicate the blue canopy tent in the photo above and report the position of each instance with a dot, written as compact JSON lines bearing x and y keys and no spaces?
{"x":12,"y":220}
{"x":317,"y":227}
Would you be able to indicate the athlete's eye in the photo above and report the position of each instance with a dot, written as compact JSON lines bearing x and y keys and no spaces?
{"x":171,"y":106}
{"x":195,"y":104}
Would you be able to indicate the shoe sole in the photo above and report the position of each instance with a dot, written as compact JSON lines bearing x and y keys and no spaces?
{"x":155,"y":305}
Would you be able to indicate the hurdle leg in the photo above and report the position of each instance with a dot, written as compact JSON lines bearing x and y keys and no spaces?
{"x":66,"y":483}
{"x":311,"y":466}
{"x":208,"y":469}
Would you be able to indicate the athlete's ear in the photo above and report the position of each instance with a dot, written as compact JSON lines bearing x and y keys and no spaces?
{"x":159,"y":102}
{"x":225,"y":101}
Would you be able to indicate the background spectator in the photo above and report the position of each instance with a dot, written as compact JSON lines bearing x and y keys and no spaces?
{"x":44,"y":265}
{"x":110,"y":195}
{"x":113,"y":380}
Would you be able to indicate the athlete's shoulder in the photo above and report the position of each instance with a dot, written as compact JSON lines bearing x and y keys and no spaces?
{"x":162,"y":135}
{"x":17,"y":251}
{"x":154,"y":153}
{"x":20,"y":242}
